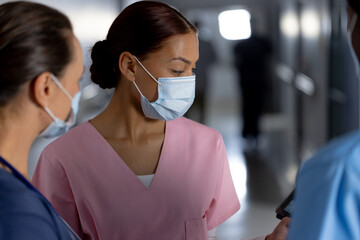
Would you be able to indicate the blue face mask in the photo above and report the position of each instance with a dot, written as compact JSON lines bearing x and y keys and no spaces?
{"x":352,"y":51}
{"x":175,"y":97}
{"x":58,"y":126}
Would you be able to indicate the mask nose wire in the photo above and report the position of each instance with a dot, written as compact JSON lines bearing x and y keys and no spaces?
{"x":146,"y":70}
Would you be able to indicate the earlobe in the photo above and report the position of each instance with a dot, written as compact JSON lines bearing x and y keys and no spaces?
{"x":127,"y":66}
{"x":40,"y":89}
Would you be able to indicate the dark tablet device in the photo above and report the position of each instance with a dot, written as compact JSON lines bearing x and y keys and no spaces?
{"x":286,"y":207}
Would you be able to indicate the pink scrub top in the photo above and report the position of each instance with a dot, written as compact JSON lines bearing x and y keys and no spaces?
{"x":101,"y":198}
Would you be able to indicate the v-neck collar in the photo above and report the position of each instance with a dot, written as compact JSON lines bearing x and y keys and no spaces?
{"x":127,"y":169}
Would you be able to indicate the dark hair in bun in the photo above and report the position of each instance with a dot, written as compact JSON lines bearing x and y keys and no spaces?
{"x":140,"y":28}
{"x":102,"y":70}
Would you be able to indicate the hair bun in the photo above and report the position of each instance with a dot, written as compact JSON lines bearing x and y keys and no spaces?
{"x":102,"y":70}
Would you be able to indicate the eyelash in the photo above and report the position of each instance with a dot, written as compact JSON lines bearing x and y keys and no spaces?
{"x":181,"y":72}
{"x":178,"y":72}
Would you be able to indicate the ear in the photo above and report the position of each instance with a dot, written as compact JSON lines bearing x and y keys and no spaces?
{"x":127,"y":66}
{"x":42,"y":88}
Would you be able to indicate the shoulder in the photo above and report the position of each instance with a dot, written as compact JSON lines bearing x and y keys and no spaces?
{"x":328,"y":167}
{"x":196,"y":141}
{"x":72,"y":139}
{"x":185,"y":123}
{"x":9,"y":183}
{"x":70,"y":150}
{"x":194,"y":130}
{"x":15,"y":225}
{"x":17,"y":201}
{"x":327,"y":185}
{"x":81,"y":131}
{"x":340,"y":152}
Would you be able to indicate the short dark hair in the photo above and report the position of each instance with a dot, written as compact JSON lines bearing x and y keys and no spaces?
{"x":33,"y":39}
{"x":355,"y":4}
{"x":140,"y":28}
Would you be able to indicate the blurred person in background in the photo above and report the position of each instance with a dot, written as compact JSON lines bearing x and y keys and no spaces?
{"x":140,"y":170}
{"x":40,"y":68}
{"x":253,"y":62}
{"x":327,"y":194}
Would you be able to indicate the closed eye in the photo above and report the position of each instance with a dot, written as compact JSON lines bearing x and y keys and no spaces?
{"x":178,"y":72}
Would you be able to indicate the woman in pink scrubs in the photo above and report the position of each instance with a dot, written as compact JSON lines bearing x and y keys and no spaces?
{"x":140,"y":170}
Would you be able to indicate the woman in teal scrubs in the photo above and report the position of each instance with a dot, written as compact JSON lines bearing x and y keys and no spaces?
{"x":40,"y":66}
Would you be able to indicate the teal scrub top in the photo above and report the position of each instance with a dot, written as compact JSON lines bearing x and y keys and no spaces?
{"x":327,"y":195}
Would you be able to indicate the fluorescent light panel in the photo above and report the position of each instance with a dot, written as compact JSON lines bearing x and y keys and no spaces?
{"x":235,"y":24}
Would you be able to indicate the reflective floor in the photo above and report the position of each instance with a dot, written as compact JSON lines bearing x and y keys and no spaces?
{"x":262,"y":178}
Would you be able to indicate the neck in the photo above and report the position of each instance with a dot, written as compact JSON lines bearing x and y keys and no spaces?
{"x":124,"y":118}
{"x":15,"y":142}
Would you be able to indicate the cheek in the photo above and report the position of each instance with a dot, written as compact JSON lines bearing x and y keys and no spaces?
{"x":60,"y":106}
{"x":148,"y":87}
{"x":74,"y":87}
{"x":151,"y":92}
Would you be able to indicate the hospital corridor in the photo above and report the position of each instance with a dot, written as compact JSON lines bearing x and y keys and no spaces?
{"x":263,"y":178}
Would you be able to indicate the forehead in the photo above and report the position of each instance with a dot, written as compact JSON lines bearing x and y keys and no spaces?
{"x":76,"y":65}
{"x":77,"y":61}
{"x":184,"y":45}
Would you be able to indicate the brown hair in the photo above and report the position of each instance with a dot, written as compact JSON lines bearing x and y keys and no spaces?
{"x":33,"y":39}
{"x":140,"y":28}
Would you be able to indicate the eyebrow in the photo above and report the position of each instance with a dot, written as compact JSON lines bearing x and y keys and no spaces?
{"x":182,"y":59}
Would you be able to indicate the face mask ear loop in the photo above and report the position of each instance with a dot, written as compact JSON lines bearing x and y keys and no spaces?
{"x":56,"y":81}
{"x":146,"y":70}
{"x":138,"y":88}
{"x":55,"y":119}
{"x":50,"y":114}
